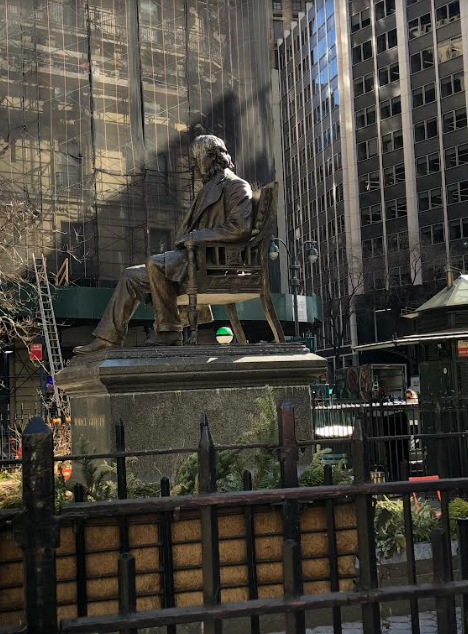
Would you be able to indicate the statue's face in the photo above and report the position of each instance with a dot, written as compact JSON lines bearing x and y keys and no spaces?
{"x":203,"y":163}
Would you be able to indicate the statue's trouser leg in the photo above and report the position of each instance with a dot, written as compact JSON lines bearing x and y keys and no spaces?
{"x":164,"y":295}
{"x":131,"y":289}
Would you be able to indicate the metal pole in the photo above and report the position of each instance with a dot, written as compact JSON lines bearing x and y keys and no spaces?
{"x":295,"y":268}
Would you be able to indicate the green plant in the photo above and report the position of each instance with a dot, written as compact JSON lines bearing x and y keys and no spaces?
{"x":458,"y":508}
{"x":313,"y":473}
{"x":390,"y":525}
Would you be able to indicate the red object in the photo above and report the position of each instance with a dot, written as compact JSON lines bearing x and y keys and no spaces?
{"x":66,"y":472}
{"x":35,"y":352}
{"x":426,"y":478}
{"x":462,"y":347}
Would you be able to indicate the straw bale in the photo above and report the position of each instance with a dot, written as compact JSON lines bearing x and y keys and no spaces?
{"x":347,"y":540}
{"x":316,"y":587}
{"x":148,"y":603}
{"x":12,"y":618}
{"x":346,"y":585}
{"x":234,"y":574}
{"x":186,"y":530}
{"x":143,"y":534}
{"x":347,"y":565}
{"x":313,"y":568}
{"x":66,"y":567}
{"x":146,"y":558}
{"x":67,"y":541}
{"x":270,"y":572}
{"x":187,"y":554}
{"x":270,"y":592}
{"x":101,"y":537}
{"x":103,"y":588}
{"x":188,"y":579}
{"x":97,"y":608}
{"x":345,"y":515}
{"x":188,"y":598}
{"x":66,"y":592}
{"x":231,"y":526}
{"x":314,"y":544}
{"x":67,"y":612}
{"x":11,"y":598}
{"x":11,"y":573}
{"x":9,"y":550}
{"x":102,"y":563}
{"x":313,"y":519}
{"x":268,"y":522}
{"x":148,"y":582}
{"x":234,"y":594}
{"x":235,"y":550}
{"x":269,"y":547}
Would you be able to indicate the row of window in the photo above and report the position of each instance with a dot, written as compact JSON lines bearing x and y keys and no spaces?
{"x":390,"y":142}
{"x":444,"y":15}
{"x":372,"y":214}
{"x":388,"y":108}
{"x":387,"y":75}
{"x":385,"y":42}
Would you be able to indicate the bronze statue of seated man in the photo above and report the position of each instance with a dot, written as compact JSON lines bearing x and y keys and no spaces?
{"x":221,"y":212}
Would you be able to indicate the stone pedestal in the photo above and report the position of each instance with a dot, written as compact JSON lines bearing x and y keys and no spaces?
{"x":160,"y":393}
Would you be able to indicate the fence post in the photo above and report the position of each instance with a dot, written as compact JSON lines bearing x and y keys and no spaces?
{"x":209,"y":526}
{"x":121,"y":483}
{"x":251,"y":552}
{"x":365,"y":525}
{"x":40,"y":531}
{"x":332,"y":549}
{"x":445,"y":606}
{"x":127,"y":589}
{"x":168,"y":561}
{"x":463,"y":554}
{"x":289,"y":455}
{"x":80,"y":550}
{"x":410,"y":559}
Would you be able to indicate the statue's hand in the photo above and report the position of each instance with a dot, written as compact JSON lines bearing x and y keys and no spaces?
{"x":180,"y":243}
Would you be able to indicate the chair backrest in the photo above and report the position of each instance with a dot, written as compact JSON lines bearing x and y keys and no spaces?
{"x":264,"y":201}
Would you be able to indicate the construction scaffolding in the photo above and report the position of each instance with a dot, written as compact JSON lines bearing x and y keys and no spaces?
{"x":99,"y":101}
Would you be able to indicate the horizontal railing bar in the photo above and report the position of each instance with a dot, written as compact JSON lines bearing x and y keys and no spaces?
{"x":171,"y":616}
{"x":242,"y":498}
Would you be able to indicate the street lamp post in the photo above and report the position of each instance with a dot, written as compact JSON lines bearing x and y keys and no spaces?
{"x":294,"y":270}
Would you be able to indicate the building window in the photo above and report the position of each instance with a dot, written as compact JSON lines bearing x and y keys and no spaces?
{"x":419,"y":26}
{"x":360,"y":20}
{"x":425,"y":94}
{"x":369,"y":182}
{"x":364,"y":84}
{"x":384,"y":8}
{"x":362,"y":51}
{"x":297,"y":5}
{"x":365,"y":117}
{"x":392,"y":141}
{"x":429,"y":164}
{"x":337,"y":161}
{"x":372,"y":248}
{"x":390,"y":108}
{"x":450,"y":49}
{"x":452,"y":84}
{"x":432,"y":234}
{"x":456,"y":156}
{"x":397,"y":241}
{"x":386,"y":41}
{"x":455,"y":120}
{"x":395,"y":208}
{"x":448,"y":13}
{"x":457,"y":193}
{"x":394,"y":174}
{"x":277,"y":5}
{"x":422,"y":60}
{"x":458,"y":229}
{"x":367,"y":149}
{"x":389,"y":74}
{"x":425,"y":130}
{"x":371,"y":215}
{"x":430,"y":199}
{"x":339,"y":193}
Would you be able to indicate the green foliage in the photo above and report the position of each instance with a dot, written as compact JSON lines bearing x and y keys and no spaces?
{"x":313,"y":473}
{"x":228,"y":472}
{"x":390,"y":526}
{"x":458,"y":508}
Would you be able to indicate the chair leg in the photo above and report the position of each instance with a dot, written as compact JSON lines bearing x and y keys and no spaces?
{"x":272,"y":319}
{"x":236,"y":325}
{"x":193,"y":320}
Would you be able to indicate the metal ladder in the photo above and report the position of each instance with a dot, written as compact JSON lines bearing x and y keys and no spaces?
{"x":49,"y":327}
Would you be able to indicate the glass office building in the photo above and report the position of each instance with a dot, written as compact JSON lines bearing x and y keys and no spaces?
{"x":99,"y":103}
{"x":376,"y":153}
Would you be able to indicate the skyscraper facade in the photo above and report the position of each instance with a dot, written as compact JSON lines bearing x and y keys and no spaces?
{"x":375,"y":150}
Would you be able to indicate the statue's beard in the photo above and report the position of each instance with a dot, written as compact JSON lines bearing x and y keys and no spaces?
{"x":211,"y":173}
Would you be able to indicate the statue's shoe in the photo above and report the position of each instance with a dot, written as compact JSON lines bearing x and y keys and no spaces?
{"x":95,"y":346}
{"x":164,"y":339}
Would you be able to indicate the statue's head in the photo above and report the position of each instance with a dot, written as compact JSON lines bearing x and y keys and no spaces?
{"x":210,"y":156}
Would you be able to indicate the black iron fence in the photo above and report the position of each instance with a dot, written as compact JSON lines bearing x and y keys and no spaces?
{"x":432,"y":436}
{"x":84,"y":529}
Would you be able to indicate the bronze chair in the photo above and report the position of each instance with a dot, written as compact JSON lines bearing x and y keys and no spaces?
{"x":224,"y":274}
